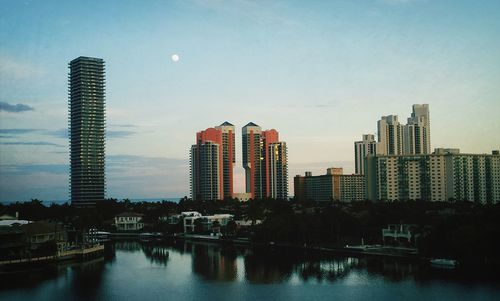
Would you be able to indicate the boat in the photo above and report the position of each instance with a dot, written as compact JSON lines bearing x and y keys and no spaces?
{"x":444,"y":263}
{"x":146,"y":236}
{"x":97,"y":236}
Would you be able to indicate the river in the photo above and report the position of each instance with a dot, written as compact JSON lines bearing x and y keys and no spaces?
{"x":197,"y":271}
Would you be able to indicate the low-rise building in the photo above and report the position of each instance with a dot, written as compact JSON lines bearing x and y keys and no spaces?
{"x":205,"y":222}
{"x":129,"y":221}
{"x":400,"y":233}
{"x":41,"y":233}
{"x":351,"y":188}
{"x":333,"y":186}
{"x":242,"y":196}
{"x":39,"y":238}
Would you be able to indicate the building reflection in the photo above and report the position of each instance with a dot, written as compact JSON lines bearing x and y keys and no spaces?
{"x":394,"y":270}
{"x":156,"y":253}
{"x":268,"y":266}
{"x":330,"y":270}
{"x":213,"y":261}
{"x":27,"y":279}
{"x":87,"y":277}
{"x":127,"y":246}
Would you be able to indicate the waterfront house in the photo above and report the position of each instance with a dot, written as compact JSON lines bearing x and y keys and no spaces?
{"x":43,"y":236}
{"x":129,"y":221}
{"x":206,"y":223}
{"x":174,"y":219}
{"x":397,"y":234}
{"x":31,"y":239}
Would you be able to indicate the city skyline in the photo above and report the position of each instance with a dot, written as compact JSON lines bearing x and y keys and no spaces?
{"x":309,"y":71}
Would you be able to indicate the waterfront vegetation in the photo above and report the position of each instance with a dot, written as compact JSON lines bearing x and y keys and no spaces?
{"x":465,"y":231}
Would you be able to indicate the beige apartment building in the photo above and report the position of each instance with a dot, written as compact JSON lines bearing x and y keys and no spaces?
{"x":445,"y":175}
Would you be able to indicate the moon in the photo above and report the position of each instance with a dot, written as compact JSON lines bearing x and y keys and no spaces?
{"x":175,"y":58}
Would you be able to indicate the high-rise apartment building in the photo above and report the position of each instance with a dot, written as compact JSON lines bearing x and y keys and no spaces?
{"x":87,"y":131}
{"x":228,"y":157}
{"x":260,"y":172}
{"x":414,"y":138}
{"x":416,"y":133}
{"x":390,"y":135}
{"x":443,"y":175}
{"x":212,"y":159}
{"x":268,"y":138}
{"x":206,"y":166}
{"x":277,"y":170}
{"x":421,"y":116}
{"x":206,"y":171}
{"x":367,"y":146}
{"x":252,"y":162}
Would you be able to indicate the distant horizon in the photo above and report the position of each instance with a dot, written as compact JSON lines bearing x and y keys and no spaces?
{"x":321,"y":74}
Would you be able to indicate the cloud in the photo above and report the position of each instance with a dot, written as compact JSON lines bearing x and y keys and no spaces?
{"x":39,"y":143}
{"x":17,"y":131}
{"x":121,"y":162}
{"x":143,"y":177}
{"x":13,"y":69}
{"x":123,"y":125}
{"x":61,"y":133}
{"x":25,"y":169}
{"x":118,"y":134}
{"x":17,"y":108}
{"x":127,"y":176}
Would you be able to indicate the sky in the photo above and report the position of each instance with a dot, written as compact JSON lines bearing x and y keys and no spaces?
{"x":320,"y":72}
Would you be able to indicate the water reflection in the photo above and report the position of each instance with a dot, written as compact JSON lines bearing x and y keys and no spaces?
{"x":267,"y":266}
{"x":330,"y":270}
{"x":156,"y":253}
{"x":129,"y":265}
{"x":89,"y":274}
{"x":214,"y":262}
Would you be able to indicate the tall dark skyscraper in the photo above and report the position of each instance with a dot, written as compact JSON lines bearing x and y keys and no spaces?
{"x":87,"y":130}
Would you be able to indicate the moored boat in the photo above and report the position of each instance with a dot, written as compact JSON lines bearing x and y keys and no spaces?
{"x":444,"y":263}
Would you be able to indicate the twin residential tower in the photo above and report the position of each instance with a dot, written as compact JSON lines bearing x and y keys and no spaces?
{"x":394,"y":138}
{"x":212,"y":161}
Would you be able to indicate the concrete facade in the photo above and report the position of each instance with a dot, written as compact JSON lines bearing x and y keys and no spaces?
{"x":334,"y":186}
{"x":367,"y":146}
{"x":265,"y":162}
{"x":445,"y":175}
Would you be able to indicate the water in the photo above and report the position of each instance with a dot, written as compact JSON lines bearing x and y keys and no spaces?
{"x":138,"y":271}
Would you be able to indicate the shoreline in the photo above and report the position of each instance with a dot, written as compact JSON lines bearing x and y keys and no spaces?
{"x":349,"y":251}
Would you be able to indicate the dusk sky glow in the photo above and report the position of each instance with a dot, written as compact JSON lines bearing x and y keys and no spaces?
{"x":319,"y":72}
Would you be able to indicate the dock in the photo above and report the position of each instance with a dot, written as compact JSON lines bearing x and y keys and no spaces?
{"x":81,"y":253}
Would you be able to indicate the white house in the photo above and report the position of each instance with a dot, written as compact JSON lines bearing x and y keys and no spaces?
{"x":129,"y":221}
{"x":206,"y":221}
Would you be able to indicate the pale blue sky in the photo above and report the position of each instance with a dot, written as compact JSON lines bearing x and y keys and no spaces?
{"x":320,"y":72}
